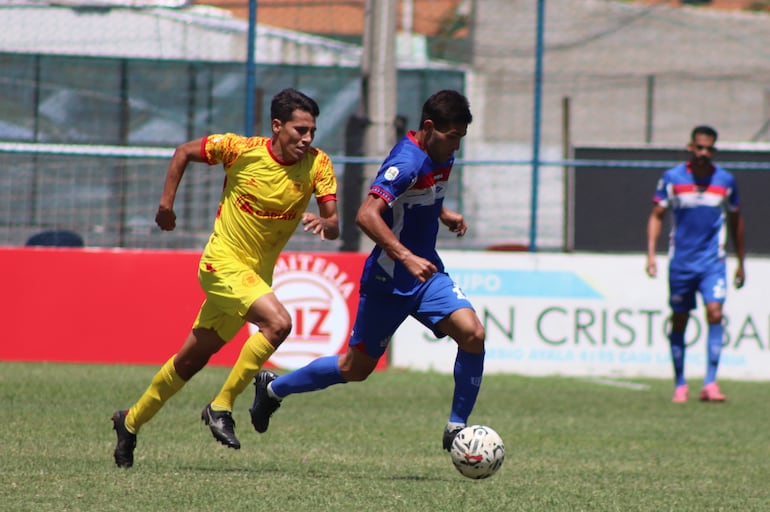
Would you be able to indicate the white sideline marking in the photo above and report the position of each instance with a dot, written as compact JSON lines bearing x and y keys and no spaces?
{"x":619,"y":383}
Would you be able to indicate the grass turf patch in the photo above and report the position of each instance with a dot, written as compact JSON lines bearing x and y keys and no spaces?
{"x":571,"y":444}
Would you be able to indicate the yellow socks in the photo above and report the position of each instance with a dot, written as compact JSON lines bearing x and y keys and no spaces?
{"x":163,"y":386}
{"x":167,"y":382}
{"x":254,"y":353}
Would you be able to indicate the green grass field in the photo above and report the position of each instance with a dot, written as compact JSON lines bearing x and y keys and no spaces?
{"x":571,"y":445}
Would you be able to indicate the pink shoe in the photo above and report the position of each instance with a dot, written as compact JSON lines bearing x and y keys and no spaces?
{"x":711,"y":393}
{"x":680,"y":394}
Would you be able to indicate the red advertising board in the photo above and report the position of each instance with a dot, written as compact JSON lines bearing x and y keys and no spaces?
{"x":125,"y":306}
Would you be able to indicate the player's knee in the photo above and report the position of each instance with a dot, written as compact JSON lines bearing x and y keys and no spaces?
{"x":714,"y":313}
{"x":283,"y":330}
{"x":277,"y":330}
{"x":679,"y":321}
{"x":473,"y":341}
{"x":278,"y":336}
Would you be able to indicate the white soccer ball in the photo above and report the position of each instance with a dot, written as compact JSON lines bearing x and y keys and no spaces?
{"x":477,"y":452}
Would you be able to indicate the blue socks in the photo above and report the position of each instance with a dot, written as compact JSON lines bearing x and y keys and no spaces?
{"x":715,"y":337}
{"x":325,"y":372}
{"x":467,"y":373}
{"x":714,"y":342}
{"x":319,"y":374}
{"x":677,"y":356}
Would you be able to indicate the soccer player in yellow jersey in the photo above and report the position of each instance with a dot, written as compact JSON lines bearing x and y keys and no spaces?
{"x":268,"y":185}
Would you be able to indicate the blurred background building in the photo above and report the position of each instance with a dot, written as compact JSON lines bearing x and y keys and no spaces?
{"x":149,"y":74}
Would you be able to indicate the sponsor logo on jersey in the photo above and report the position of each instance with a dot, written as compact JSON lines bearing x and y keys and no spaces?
{"x":247,"y":204}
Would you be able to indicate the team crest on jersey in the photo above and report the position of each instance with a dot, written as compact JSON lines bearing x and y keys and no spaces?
{"x":391,"y":173}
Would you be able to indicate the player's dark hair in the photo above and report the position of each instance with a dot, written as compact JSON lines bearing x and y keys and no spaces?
{"x":703,"y":130}
{"x":287,"y":101}
{"x":445,"y":108}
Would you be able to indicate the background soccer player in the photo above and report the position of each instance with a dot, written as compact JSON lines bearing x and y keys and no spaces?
{"x":403,"y":275}
{"x":698,"y":192}
{"x":269,"y":182}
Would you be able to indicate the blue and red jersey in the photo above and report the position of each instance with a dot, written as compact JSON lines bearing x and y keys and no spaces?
{"x":698,"y":233}
{"x":414,"y":187}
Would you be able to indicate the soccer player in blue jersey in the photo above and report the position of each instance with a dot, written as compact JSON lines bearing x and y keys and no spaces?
{"x":699,"y":194}
{"x":404,"y":274}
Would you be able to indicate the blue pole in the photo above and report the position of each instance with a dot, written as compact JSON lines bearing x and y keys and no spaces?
{"x":536,"y":124}
{"x":251,"y":70}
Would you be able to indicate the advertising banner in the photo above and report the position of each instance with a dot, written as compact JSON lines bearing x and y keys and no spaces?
{"x":321,"y":293}
{"x":590,"y":315}
{"x":114,"y":306}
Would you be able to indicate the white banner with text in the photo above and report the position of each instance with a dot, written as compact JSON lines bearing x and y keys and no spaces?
{"x":590,"y":315}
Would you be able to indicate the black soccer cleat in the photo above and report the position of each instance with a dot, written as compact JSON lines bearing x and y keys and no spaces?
{"x":124,"y":449}
{"x":222,"y":426}
{"x":449,"y":437}
{"x":264,"y":405}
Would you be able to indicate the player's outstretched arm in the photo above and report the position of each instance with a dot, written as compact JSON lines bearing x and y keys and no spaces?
{"x":184,"y":154}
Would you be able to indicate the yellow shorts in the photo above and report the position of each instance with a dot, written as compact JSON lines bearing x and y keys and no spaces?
{"x":231,"y":287}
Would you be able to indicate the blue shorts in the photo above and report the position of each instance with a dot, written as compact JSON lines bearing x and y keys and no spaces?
{"x":379,"y":315}
{"x":682,"y":287}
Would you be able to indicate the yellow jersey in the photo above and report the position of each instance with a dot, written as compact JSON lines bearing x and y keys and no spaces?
{"x":263,"y":199}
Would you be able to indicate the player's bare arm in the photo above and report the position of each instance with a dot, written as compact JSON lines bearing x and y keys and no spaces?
{"x":326,"y":224}
{"x":735,"y":220}
{"x":369,"y":219}
{"x":454,"y":221}
{"x":184,"y":154}
{"x":654,"y":225}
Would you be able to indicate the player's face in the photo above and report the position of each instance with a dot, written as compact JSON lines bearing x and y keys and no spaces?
{"x":292,"y":139}
{"x":702,"y":148}
{"x":439,"y":145}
